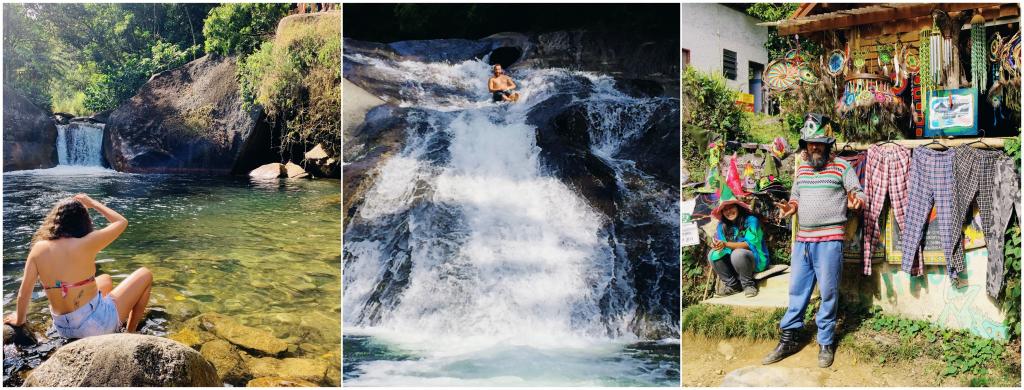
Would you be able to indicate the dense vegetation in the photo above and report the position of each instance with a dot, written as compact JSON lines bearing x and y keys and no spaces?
{"x":397,"y":22}
{"x":83,"y":58}
{"x":297,"y":78}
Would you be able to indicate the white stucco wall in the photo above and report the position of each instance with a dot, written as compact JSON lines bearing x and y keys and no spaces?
{"x":708,"y":28}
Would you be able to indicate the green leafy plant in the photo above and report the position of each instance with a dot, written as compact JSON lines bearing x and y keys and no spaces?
{"x":240,"y":28}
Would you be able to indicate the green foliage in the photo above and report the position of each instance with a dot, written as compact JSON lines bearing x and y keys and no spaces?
{"x":765,"y":128}
{"x":240,"y":28}
{"x":695,"y":278}
{"x":709,"y":112}
{"x":718,"y":321}
{"x":962,"y":352}
{"x":1011,"y":257}
{"x":297,"y":79}
{"x":90,"y":57}
{"x":777,"y":45}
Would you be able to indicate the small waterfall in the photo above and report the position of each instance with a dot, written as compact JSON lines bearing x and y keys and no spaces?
{"x":80,"y":144}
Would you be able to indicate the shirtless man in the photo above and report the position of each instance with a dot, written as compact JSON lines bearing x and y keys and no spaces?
{"x":501,"y":86}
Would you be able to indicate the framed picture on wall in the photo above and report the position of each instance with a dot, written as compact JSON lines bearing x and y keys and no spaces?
{"x":952,"y":112}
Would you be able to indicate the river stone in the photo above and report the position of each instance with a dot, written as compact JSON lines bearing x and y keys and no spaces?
{"x":124,"y":360}
{"x":313,"y":370}
{"x":774,"y":376}
{"x":280,"y":382}
{"x":247,"y":337}
{"x":162,"y":275}
{"x":225,"y":360}
{"x":316,"y":153}
{"x":268,"y":171}
{"x":294,"y":171}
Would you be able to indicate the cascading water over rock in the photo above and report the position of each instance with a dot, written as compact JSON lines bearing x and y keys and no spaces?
{"x":473,"y":237}
{"x":80,"y":144}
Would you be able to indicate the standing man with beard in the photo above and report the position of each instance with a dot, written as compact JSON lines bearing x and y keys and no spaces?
{"x":824,"y":188}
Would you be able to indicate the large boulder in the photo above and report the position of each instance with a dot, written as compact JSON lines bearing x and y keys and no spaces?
{"x":226,"y":360}
{"x":124,"y":360}
{"x":191,"y":120}
{"x":30,"y":134}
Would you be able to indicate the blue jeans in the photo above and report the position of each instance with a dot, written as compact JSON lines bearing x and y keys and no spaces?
{"x":821,"y":262}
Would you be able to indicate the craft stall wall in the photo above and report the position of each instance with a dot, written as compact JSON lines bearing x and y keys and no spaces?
{"x":922,"y":78}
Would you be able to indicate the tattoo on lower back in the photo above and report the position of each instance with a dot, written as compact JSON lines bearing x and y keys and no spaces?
{"x":80,"y":292}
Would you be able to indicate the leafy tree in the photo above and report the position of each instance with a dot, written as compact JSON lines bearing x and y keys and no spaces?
{"x":777,"y":45}
{"x":240,"y":28}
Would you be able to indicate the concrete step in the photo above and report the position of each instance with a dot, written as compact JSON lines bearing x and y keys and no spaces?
{"x":773,"y":290}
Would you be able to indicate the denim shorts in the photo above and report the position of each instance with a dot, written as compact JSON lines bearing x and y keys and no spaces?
{"x":98,"y":317}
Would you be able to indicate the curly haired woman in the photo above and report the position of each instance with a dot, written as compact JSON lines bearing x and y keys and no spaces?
{"x":63,"y":259}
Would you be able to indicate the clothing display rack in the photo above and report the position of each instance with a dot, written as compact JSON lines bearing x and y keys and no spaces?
{"x":986,"y":143}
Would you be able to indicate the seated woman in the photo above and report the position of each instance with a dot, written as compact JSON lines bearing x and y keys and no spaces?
{"x":738,"y":250}
{"x":63,"y":259}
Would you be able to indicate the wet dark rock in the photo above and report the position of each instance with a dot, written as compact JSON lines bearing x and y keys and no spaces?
{"x":505,"y":56}
{"x":564,"y":141}
{"x":123,"y":360}
{"x":437,"y":50}
{"x":62,"y":118}
{"x":640,"y":88}
{"x":655,"y":59}
{"x":189,"y":120}
{"x":656,"y":151}
{"x":366,"y":148}
{"x":30,"y":134}
{"x":18,"y":335}
{"x":101,"y":117}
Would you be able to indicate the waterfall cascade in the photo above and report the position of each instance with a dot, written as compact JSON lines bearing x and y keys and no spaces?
{"x":466,"y":242}
{"x":80,"y":144}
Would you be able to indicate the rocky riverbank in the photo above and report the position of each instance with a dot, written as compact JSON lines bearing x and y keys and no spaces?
{"x":209,"y":349}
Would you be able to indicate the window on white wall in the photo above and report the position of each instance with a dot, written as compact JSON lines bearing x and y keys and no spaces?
{"x":729,"y":64}
{"x":686,"y":58}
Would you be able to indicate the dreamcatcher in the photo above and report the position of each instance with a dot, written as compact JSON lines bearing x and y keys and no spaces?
{"x":789,"y":72}
{"x":835,"y":63}
{"x":1005,"y":90}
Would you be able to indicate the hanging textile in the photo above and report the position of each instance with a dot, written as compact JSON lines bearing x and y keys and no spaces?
{"x":1006,"y":200}
{"x":974,"y":170}
{"x":885,"y":173}
{"x":931,"y":179}
{"x":732,"y":178}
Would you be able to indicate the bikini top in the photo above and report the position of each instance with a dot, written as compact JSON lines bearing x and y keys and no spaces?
{"x":64,"y":286}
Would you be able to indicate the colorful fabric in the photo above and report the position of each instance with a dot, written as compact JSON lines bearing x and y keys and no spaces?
{"x":1006,"y":200}
{"x":857,"y":161}
{"x":974,"y":171}
{"x":821,"y":263}
{"x":931,"y":181}
{"x":752,"y":234}
{"x":885,"y":173}
{"x":821,"y":198}
{"x":732,"y":179}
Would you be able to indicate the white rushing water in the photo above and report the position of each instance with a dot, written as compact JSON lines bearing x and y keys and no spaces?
{"x":501,"y":276}
{"x":80,"y":144}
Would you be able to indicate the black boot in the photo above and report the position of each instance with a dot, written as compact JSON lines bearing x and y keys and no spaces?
{"x":788,"y":345}
{"x":826,"y":355}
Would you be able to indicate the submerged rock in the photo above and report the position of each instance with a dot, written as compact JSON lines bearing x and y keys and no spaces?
{"x":280,"y":382}
{"x":123,"y":360}
{"x":246,"y":337}
{"x":30,"y":134}
{"x":225,"y":360}
{"x":313,"y":370}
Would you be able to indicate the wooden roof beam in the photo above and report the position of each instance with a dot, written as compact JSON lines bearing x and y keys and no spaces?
{"x":879,"y":15}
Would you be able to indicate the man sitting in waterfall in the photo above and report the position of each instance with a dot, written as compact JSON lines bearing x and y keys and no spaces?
{"x":501,"y":86}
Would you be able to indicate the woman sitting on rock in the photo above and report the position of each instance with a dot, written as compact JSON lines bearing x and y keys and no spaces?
{"x":63,"y":259}
{"x":738,"y":249}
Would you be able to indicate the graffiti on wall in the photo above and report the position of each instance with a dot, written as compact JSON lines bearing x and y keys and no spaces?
{"x":932,"y":297}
